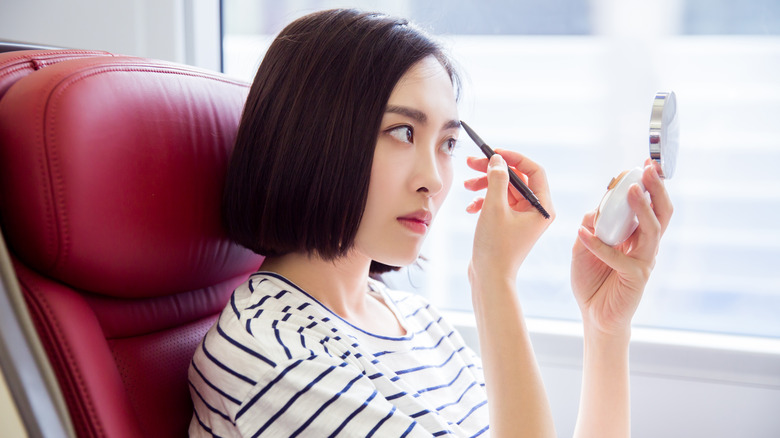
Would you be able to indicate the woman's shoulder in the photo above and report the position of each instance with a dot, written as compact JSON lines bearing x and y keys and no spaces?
{"x":267,"y":292}
{"x":267,"y":296}
{"x":267,"y":321}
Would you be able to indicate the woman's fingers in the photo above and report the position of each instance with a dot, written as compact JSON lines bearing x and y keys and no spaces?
{"x":478,"y":164}
{"x":662,"y":203}
{"x":481,"y":182}
{"x":512,"y":159}
{"x":653,"y":210}
{"x":537,"y":177}
{"x":648,"y":234}
{"x":611,"y":257}
{"x":476,"y":184}
{"x":529,"y":171}
{"x":498,"y":181}
{"x":475,"y":206}
{"x":588,"y":221}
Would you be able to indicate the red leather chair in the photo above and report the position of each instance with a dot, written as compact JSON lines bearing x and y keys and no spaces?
{"x":111,"y":172}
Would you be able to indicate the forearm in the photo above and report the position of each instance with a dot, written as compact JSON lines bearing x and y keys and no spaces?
{"x":516,"y":396}
{"x":605,"y":397}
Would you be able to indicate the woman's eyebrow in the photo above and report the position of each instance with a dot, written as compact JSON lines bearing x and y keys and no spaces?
{"x":416,"y":115}
{"x":419,"y":116}
{"x":452,"y":124}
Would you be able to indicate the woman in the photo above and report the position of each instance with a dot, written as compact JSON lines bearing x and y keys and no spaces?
{"x":342,"y":160}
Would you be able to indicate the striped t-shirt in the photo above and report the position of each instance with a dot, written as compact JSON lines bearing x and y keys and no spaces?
{"x":279,"y":363}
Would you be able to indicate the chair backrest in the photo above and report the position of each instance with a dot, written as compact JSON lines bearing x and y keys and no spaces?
{"x":111,"y":173}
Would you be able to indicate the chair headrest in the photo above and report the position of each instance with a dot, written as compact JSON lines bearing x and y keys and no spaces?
{"x":111,"y":175}
{"x":18,"y":64}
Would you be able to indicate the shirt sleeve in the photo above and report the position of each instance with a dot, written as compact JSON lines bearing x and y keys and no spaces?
{"x":321,"y":397}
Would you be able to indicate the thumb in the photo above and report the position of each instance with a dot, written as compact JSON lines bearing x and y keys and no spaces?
{"x":498,"y":181}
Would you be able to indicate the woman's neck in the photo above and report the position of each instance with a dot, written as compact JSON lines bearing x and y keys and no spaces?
{"x":341,"y":285}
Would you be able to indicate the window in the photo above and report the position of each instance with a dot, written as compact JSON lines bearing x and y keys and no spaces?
{"x":569,"y":83}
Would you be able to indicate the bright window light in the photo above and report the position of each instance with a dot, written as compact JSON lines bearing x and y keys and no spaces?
{"x":570,"y":83}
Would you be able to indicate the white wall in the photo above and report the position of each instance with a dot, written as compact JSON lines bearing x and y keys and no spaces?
{"x":683,"y":384}
{"x":147,"y":28}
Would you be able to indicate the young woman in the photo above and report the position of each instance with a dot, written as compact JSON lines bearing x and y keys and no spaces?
{"x":342,"y":160}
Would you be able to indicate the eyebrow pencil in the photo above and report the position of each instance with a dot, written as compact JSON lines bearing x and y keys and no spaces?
{"x":513,"y":178}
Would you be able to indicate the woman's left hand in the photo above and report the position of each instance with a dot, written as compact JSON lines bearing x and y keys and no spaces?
{"x":608,"y":282}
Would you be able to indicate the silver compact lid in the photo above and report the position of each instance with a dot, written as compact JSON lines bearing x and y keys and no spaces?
{"x":664,"y":132}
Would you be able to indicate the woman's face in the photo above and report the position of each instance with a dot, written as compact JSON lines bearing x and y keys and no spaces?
{"x":412,"y":168}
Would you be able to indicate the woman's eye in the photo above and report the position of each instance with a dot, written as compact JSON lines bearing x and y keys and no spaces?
{"x":403,"y":133}
{"x":449,"y":145}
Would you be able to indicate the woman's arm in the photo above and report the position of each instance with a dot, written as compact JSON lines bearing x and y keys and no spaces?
{"x":517,"y":400}
{"x":507,"y":229}
{"x":605,"y":397}
{"x":608,"y":284}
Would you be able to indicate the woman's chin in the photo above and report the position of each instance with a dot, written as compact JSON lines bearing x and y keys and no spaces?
{"x":400,"y":261}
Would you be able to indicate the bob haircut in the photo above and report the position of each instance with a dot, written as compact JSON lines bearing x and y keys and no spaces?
{"x":299,"y":174}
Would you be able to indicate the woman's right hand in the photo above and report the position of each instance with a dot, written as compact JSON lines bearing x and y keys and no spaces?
{"x":508,"y":224}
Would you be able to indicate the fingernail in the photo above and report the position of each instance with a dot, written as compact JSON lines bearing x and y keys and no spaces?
{"x":496,"y":160}
{"x":636,"y":189}
{"x":656,"y":170}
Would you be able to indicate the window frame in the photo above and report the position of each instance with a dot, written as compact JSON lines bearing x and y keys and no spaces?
{"x":707,"y":366}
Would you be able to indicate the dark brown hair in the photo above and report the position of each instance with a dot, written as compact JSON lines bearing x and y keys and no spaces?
{"x":298,"y":177}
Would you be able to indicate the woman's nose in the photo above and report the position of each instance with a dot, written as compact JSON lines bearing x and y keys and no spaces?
{"x":428,"y":178}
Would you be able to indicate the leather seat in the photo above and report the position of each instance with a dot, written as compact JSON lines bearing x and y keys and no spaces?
{"x":111,"y":173}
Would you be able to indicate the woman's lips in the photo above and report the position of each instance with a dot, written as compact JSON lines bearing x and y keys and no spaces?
{"x":417,"y":222}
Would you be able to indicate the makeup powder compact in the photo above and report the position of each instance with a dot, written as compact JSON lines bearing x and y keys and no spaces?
{"x":615,"y":221}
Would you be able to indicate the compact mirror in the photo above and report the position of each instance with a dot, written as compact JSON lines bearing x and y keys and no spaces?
{"x":615,"y":220}
{"x":664,"y":132}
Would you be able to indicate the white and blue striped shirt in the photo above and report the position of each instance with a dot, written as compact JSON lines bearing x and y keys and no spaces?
{"x":279,"y":363}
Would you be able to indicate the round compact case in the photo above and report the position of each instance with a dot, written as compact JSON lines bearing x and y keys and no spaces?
{"x":615,"y":220}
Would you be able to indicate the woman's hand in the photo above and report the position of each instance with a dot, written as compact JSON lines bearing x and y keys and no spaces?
{"x":508,"y":225}
{"x":608,"y":282}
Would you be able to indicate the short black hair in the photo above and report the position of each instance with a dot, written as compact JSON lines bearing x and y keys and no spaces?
{"x":299,"y":173}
